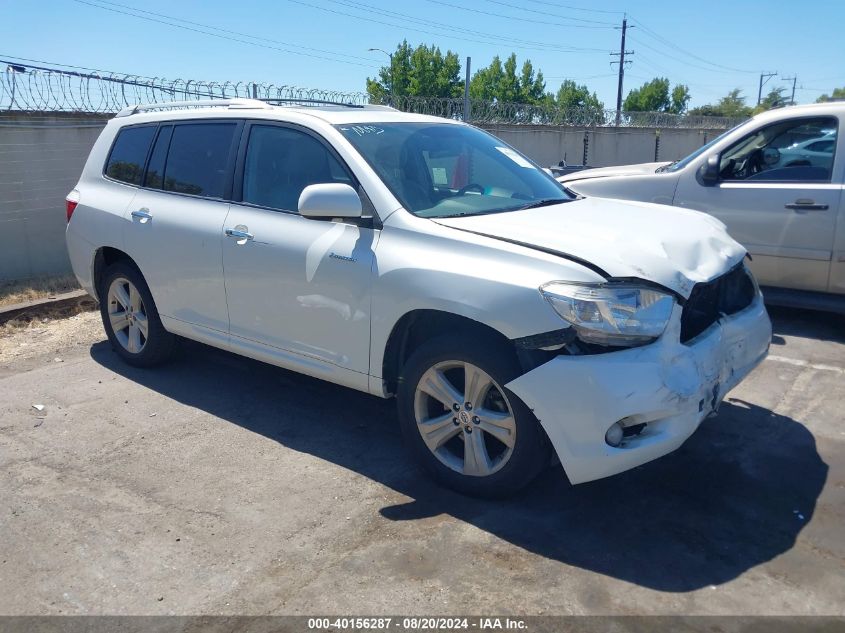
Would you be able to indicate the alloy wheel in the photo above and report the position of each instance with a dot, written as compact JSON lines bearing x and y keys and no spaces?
{"x":464,"y":418}
{"x":127,"y":315}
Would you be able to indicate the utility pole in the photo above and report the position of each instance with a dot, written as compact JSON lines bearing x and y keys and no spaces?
{"x":466,"y":92}
{"x":764,"y":77}
{"x":794,"y":80}
{"x":622,"y":52}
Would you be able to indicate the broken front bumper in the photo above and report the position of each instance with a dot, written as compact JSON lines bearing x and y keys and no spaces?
{"x":669,"y":386}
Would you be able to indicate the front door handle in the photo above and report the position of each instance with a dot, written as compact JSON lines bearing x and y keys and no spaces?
{"x":240,"y":233}
{"x":142,"y":214}
{"x":804,"y":204}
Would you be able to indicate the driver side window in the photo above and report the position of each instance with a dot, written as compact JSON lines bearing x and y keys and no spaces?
{"x":799,"y":150}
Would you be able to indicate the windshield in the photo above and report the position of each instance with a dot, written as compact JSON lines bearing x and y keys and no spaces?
{"x":686,"y":161}
{"x":440,"y":169}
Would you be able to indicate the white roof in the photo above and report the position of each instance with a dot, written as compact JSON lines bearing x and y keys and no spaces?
{"x":330,"y":113}
{"x":832,"y":108}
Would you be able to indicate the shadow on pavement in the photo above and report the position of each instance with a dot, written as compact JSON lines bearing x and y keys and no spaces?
{"x":822,"y":326}
{"x":723,"y":503}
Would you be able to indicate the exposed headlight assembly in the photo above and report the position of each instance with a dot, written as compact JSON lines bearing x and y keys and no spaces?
{"x":618,"y":314}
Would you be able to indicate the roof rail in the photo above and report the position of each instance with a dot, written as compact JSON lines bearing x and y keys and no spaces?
{"x":307,"y":101}
{"x":199,"y":103}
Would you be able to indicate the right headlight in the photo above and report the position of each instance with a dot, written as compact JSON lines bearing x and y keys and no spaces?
{"x":611,"y":314}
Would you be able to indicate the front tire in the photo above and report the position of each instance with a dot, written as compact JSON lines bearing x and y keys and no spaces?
{"x":462,"y":425}
{"x":130,"y":317}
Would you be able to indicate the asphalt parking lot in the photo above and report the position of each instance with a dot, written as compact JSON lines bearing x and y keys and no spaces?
{"x":219,"y":485}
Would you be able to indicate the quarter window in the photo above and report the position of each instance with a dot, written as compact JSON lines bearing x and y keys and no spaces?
{"x":128,"y":154}
{"x":281,"y":162}
{"x":197,"y":159}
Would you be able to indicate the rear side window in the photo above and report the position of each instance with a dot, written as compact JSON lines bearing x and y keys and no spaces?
{"x":128,"y":154}
{"x":198,"y":158}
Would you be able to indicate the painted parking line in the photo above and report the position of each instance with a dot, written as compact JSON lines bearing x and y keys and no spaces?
{"x":803,"y":363}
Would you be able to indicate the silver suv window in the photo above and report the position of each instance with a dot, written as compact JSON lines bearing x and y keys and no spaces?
{"x":280,"y":162}
{"x":782,"y":151}
{"x":129,"y":153}
{"x":198,"y":159}
{"x":441,"y":169}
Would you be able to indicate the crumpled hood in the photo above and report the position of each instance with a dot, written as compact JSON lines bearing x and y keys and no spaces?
{"x":620,"y":170}
{"x":673,"y":247}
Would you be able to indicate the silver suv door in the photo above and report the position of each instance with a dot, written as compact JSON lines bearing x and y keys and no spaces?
{"x":174,"y":224}
{"x":298,"y":289}
{"x":779,"y":204}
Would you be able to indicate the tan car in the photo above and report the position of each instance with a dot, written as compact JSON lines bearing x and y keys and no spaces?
{"x":776,"y":181}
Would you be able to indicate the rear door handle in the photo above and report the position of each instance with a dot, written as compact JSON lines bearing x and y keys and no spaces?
{"x":142,"y":214}
{"x":239,"y":233}
{"x":802,"y":204}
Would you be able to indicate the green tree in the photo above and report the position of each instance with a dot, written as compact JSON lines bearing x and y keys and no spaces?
{"x":532,"y":87}
{"x":731,"y":105}
{"x":837,"y":95}
{"x":421,"y":71}
{"x":652,"y":96}
{"x":680,"y":99}
{"x":501,"y":82}
{"x":774,"y":99}
{"x":571,"y":95}
{"x":485,"y":81}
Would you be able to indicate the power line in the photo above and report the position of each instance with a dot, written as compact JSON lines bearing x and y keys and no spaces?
{"x":230,"y":38}
{"x":568,"y":6}
{"x":639,"y":42}
{"x":92,"y":70}
{"x":666,"y":42}
{"x":222,"y":30}
{"x":578,"y":77}
{"x":511,"y":17}
{"x":495,"y":37}
{"x":554,"y":15}
{"x":463,"y":38}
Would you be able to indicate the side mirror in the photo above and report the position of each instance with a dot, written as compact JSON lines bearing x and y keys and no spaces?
{"x":708,"y":173}
{"x":329,"y":200}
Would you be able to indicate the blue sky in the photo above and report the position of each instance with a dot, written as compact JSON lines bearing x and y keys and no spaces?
{"x":711,"y":46}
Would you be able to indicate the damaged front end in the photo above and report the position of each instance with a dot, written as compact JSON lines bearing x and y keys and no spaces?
{"x":612,"y":395}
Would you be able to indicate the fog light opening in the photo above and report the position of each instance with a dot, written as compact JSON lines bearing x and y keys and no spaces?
{"x":634,"y":429}
{"x":614,"y":435}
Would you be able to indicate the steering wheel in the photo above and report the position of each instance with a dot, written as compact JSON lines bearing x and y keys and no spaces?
{"x":470,"y":187}
{"x":753,"y":164}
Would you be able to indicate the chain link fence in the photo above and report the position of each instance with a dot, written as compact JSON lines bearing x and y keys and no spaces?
{"x":28,"y":88}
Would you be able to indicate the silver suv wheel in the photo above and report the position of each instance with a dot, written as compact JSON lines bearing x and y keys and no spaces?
{"x":127,"y":315}
{"x":464,"y":418}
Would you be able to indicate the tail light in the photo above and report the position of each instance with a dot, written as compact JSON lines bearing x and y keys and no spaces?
{"x":70,"y":203}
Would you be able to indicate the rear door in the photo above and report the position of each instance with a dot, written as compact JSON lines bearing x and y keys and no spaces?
{"x":174,"y":224}
{"x":780,"y":206}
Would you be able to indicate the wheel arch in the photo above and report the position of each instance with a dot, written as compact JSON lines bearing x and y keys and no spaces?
{"x":416,"y":327}
{"x":104,"y":257}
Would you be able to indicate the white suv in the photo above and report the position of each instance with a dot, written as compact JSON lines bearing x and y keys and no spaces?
{"x":421,"y":258}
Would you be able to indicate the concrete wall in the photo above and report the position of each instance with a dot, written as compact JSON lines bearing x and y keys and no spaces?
{"x":41,"y":158}
{"x":606,"y":146}
{"x":42,"y":155}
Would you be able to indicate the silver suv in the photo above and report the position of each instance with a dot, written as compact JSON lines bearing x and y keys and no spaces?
{"x":417,"y":257}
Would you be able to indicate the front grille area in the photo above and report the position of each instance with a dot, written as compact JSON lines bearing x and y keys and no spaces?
{"x":727,"y":294}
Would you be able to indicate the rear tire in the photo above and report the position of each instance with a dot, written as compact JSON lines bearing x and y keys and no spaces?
{"x":130,"y":317}
{"x":492,"y":447}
